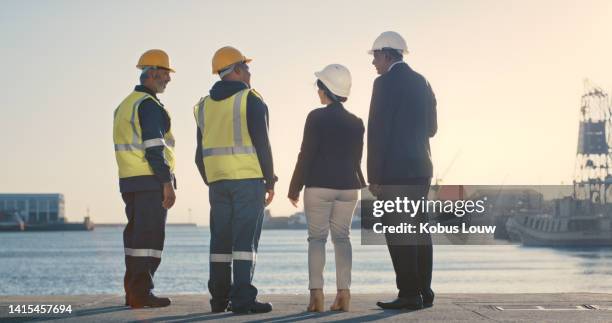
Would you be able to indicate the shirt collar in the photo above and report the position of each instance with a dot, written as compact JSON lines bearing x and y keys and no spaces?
{"x":398,"y":62}
{"x":142,"y":88}
{"x":335,"y":104}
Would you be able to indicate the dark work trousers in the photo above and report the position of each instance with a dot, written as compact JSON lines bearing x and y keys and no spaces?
{"x":236,"y":216}
{"x":412,"y":254}
{"x":143,"y":240}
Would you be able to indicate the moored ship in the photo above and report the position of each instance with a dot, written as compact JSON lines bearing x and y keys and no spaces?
{"x":585,"y":217}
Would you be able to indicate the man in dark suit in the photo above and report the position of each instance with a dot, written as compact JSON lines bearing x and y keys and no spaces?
{"x":402,"y":119}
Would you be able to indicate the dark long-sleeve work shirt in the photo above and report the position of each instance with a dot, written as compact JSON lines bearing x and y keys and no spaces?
{"x":401,"y":121}
{"x":154,"y":123}
{"x":330,"y":156}
{"x":257,"y":124}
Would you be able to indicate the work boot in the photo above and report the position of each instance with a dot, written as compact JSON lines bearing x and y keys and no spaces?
{"x":256,"y":307}
{"x":149,"y":300}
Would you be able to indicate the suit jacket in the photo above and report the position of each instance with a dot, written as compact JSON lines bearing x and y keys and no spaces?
{"x":402,"y":119}
{"x":330,"y":155}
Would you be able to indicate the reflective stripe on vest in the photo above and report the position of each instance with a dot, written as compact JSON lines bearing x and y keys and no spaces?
{"x":224,"y":158}
{"x":146,"y":144}
{"x":238,"y":147}
{"x":227,"y":151}
{"x":127,"y":137}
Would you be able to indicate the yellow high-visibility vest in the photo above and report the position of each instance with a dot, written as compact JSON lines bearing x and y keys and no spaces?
{"x":227,"y":149}
{"x":127,"y":135}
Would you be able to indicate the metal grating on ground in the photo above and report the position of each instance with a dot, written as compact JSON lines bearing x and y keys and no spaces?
{"x":513,"y":307}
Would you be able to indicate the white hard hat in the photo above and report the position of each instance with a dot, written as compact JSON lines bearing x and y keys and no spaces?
{"x":389,"y":39}
{"x":337,"y":78}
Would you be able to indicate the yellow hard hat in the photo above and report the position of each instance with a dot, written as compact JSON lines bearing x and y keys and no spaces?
{"x":154,"y":57}
{"x":226,"y":56}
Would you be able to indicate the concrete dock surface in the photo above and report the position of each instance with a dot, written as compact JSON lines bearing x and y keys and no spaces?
{"x":561,"y":307}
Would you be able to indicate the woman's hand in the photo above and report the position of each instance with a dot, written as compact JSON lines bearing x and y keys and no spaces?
{"x":294,"y":201}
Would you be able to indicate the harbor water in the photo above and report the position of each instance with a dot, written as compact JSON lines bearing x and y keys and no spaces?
{"x":74,"y":263}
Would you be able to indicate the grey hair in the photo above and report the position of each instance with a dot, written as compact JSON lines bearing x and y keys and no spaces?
{"x":393,"y":53}
{"x":143,"y":74}
{"x":227,"y":71}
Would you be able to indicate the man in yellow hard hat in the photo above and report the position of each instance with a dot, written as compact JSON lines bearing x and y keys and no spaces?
{"x":144,"y":149}
{"x":235,"y":159}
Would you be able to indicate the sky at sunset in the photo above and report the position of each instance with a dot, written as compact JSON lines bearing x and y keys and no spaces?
{"x":508,"y":76}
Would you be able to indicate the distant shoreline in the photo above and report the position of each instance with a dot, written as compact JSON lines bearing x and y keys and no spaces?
{"x":112,"y":225}
{"x":121,"y":225}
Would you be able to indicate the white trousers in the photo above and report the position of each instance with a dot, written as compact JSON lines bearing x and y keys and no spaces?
{"x":327,"y":209}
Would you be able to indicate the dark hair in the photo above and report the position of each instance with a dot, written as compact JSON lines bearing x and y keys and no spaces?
{"x":329,"y":94}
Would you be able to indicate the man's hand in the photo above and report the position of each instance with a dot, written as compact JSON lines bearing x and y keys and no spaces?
{"x":294,"y":201}
{"x":375,"y":189}
{"x":169,"y":196}
{"x":270,"y":196}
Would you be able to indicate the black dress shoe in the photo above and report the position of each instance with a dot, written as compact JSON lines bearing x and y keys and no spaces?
{"x":218,"y":306}
{"x":400,"y":303}
{"x":149,"y":301}
{"x":428,"y":299}
{"x":256,"y":307}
